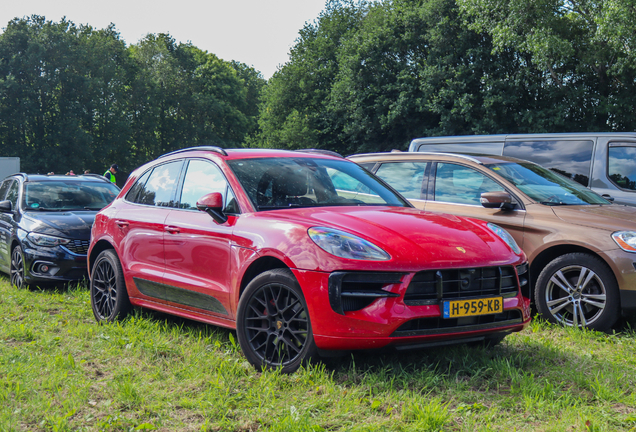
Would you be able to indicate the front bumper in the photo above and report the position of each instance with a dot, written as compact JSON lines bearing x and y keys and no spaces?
{"x":52,"y":264}
{"x":623,"y":265}
{"x":389,"y":321}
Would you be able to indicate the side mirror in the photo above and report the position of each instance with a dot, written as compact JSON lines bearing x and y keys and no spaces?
{"x":493,"y":200}
{"x":212,"y":204}
{"x":6,"y":207}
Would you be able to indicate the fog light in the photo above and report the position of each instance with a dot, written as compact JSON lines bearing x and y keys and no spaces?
{"x":44,"y":268}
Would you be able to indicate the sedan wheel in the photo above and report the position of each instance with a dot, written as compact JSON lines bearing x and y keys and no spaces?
{"x":109,"y":297}
{"x":17,"y":267}
{"x":578,"y":290}
{"x":273,"y":324}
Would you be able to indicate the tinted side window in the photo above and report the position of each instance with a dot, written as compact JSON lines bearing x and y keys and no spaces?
{"x":622,"y":166}
{"x":201,"y":178}
{"x":160,"y":188}
{"x":405,"y":177}
{"x":4,"y":188}
{"x":572,"y":159}
{"x":12,"y":194}
{"x":139,"y":185}
{"x":461,"y":185}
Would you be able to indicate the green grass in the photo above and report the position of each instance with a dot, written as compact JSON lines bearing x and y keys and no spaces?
{"x":60,"y":371}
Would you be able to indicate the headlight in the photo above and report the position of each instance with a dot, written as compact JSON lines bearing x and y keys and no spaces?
{"x":345,"y":245}
{"x":625,"y":240}
{"x":46,"y":240}
{"x":505,"y":236}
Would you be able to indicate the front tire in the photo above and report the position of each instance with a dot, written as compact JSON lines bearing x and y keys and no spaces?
{"x":109,"y":297}
{"x":578,"y":290}
{"x":273,"y":324}
{"x":16,"y":271}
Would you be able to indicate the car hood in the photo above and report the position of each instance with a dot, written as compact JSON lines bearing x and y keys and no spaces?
{"x":414,"y":238}
{"x":609,"y":217}
{"x":76,"y":225}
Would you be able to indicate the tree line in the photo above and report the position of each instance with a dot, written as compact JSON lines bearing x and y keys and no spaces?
{"x":74,"y":97}
{"x":364,"y":76}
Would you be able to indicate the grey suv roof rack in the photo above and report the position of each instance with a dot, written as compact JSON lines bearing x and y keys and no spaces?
{"x":215,"y":149}
{"x":321,"y":151}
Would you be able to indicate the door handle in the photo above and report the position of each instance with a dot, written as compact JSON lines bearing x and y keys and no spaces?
{"x":173,"y":229}
{"x":121,"y":223}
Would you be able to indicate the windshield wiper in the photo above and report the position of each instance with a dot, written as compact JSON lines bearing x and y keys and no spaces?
{"x":552,"y":203}
{"x":45,"y":209}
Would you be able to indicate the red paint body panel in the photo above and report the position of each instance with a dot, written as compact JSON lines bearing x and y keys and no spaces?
{"x":188,"y":250}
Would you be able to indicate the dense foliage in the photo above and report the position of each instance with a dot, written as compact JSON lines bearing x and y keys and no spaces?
{"x":78,"y":98}
{"x":372,"y":76}
{"x":364,"y":76}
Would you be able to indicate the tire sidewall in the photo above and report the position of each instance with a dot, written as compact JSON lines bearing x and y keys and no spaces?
{"x":122,"y":302}
{"x":610,"y":313}
{"x":282,"y":277}
{"x":18,"y":249}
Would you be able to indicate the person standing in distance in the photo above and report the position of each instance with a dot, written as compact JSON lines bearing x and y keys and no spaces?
{"x":110,"y":174}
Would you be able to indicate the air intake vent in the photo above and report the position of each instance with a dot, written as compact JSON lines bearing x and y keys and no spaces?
{"x":351,"y":291}
{"x":436,"y":325}
{"x":433,"y":286}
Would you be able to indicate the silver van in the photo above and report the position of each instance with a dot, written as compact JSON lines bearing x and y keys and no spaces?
{"x":603,"y":162}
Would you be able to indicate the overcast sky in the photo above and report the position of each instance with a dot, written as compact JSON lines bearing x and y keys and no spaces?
{"x":258,"y":33}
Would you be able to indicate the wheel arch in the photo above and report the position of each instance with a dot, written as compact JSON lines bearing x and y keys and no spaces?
{"x":546,"y":256}
{"x":260,"y":265}
{"x":99,"y":247}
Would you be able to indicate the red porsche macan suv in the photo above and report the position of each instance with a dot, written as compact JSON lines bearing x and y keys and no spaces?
{"x":300,"y":252}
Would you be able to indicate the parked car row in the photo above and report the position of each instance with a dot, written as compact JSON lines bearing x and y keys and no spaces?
{"x":580,"y":246}
{"x":306,"y":253}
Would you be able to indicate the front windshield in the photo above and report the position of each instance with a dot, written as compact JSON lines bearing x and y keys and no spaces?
{"x":545,"y":186}
{"x":275,"y":183}
{"x":60,"y":195}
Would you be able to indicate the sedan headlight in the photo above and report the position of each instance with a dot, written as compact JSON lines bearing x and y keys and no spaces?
{"x":505,"y":236}
{"x":46,"y":240}
{"x":345,"y":245}
{"x":625,"y":240}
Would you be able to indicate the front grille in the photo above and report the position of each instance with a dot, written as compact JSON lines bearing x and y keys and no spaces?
{"x":435,"y":325}
{"x":432,"y":286}
{"x":79,"y":247}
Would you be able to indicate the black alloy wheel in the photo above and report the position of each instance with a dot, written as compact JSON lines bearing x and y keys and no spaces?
{"x":17,"y":267}
{"x":109,"y":297}
{"x":578,"y":290}
{"x":273,"y":324}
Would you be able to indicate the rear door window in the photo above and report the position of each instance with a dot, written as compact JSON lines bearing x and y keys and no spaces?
{"x":621,"y":162}
{"x":405,"y":177}
{"x":570,"y":158}
{"x":459,"y":184}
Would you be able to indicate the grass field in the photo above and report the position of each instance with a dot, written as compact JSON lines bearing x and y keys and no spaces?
{"x":60,"y":371}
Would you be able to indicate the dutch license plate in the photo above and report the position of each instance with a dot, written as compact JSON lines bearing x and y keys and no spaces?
{"x":482,"y":306}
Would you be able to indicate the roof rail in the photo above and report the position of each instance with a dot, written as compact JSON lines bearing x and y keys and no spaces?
{"x":321,"y":151}
{"x":215,"y":149}
{"x":21,"y":174}
{"x":459,"y":155}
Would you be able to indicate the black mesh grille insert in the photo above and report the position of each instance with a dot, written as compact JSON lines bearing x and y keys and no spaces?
{"x":79,"y":247}
{"x":432,"y":286}
{"x":423,"y":326}
{"x":352,"y":291}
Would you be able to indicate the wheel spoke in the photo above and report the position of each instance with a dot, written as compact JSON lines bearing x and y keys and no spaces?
{"x":590,"y":275}
{"x":558,"y":304}
{"x":589,"y":299}
{"x":559,"y":280}
{"x":577,"y":307}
